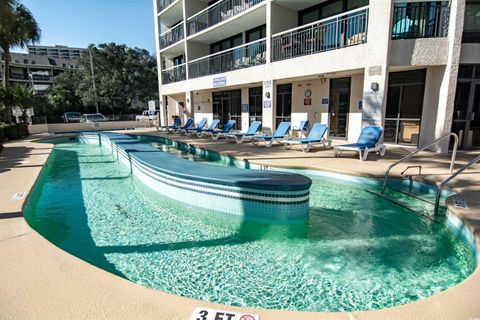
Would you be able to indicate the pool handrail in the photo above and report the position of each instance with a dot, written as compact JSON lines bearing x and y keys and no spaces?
{"x":447,"y":180}
{"x":452,"y":161}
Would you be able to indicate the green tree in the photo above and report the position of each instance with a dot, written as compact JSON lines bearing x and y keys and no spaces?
{"x":24,"y":98}
{"x":18,"y":27}
{"x":63,"y":96}
{"x":123,"y":76}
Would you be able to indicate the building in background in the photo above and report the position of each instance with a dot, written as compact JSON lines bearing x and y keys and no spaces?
{"x":39,"y":70}
{"x":411,"y":66}
{"x":56,"y":51}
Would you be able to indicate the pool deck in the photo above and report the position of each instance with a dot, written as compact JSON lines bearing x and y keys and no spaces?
{"x":40,"y":281}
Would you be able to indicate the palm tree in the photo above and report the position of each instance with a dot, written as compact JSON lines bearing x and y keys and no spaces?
{"x":18,"y":27}
{"x":24,"y":98}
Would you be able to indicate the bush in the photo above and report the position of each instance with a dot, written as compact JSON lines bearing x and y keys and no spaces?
{"x":13,"y":131}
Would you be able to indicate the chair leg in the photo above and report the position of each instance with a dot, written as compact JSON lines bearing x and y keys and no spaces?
{"x":269,"y":143}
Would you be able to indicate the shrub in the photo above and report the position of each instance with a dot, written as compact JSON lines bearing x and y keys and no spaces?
{"x":13,"y":131}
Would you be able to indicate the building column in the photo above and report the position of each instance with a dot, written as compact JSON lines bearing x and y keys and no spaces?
{"x":189,"y":111}
{"x":268,"y":112}
{"x":375,"y":82}
{"x":446,"y":100}
{"x":245,"y":111}
{"x":163,"y":111}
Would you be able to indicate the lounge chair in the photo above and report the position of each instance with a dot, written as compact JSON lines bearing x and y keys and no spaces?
{"x":240,"y":137}
{"x":199,"y":127}
{"x":187,"y":125}
{"x":367,"y":142}
{"x":278,"y":135}
{"x":213,"y":126}
{"x":216,"y":134}
{"x":176,"y":123}
{"x":303,"y":127}
{"x":316,"y":136}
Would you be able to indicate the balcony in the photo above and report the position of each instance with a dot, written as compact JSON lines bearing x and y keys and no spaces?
{"x":174,"y":74}
{"x":343,"y":30}
{"x":217,"y":13}
{"x":162,"y":4}
{"x":18,"y":76}
{"x":172,"y":36}
{"x":420,"y":20}
{"x":244,"y":56}
{"x":37,"y":77}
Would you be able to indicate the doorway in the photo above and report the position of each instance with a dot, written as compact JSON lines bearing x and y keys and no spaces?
{"x":284,"y":103}
{"x":404,"y":107}
{"x":227,"y":105}
{"x":339,"y":107}
{"x":255,"y":101}
{"x":466,"y":114}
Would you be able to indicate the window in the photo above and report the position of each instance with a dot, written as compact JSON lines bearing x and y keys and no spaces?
{"x":255,"y":103}
{"x":256,"y":33}
{"x":328,"y":9}
{"x":471,"y":27}
{"x":226,"y":44}
{"x":179,"y":60}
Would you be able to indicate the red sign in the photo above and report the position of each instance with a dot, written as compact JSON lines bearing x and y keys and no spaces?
{"x":307,"y":101}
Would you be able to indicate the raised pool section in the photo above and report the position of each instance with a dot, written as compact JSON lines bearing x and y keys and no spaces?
{"x":278,"y":197}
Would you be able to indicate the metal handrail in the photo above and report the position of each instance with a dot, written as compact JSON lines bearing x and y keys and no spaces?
{"x":452,"y":161}
{"x":450,"y":178}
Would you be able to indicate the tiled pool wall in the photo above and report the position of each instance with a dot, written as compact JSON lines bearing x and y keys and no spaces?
{"x":261,"y":202}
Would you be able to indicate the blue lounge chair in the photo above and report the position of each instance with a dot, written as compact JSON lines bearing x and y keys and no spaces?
{"x":176,"y":123}
{"x":213,"y":126}
{"x":278,"y":135}
{"x":215,"y":134}
{"x":187,"y":125}
{"x":367,"y":142}
{"x":316,"y":136}
{"x":199,"y":127}
{"x":240,"y":137}
{"x":303,"y":127}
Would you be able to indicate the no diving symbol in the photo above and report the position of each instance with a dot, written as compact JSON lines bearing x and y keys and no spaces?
{"x":247,"y":317}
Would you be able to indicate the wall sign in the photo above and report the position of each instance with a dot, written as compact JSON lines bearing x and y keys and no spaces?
{"x":325,"y":101}
{"x":267,"y":104}
{"x":267,"y":84}
{"x":307,"y":101}
{"x":212,"y":314}
{"x":219,"y":82}
{"x":245,"y":107}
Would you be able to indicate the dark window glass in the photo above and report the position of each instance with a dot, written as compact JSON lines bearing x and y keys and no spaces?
{"x":477,"y":72}
{"x":256,"y":33}
{"x":255,"y":99}
{"x":332,"y":9}
{"x":472,"y":17}
{"x":354,"y":4}
{"x":284,"y":100}
{"x":465,"y":71}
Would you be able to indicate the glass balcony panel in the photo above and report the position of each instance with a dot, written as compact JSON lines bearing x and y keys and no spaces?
{"x":172,"y":36}
{"x":244,"y":56}
{"x":347,"y":29}
{"x":217,"y":13}
{"x":174,"y":74}
{"x":420,"y":19}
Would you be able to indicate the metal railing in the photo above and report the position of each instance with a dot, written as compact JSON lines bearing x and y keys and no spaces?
{"x":217,"y":13}
{"x":162,"y":4}
{"x":244,"y":56}
{"x":174,"y":74}
{"x":420,"y":19}
{"x":452,"y":161}
{"x":450,"y":178}
{"x":38,"y":77}
{"x":172,"y":36}
{"x":343,"y":30}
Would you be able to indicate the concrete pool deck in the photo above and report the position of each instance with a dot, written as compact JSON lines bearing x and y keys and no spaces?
{"x":40,"y":281}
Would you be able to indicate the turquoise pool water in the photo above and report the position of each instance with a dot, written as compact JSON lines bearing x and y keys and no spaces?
{"x":356,"y":252}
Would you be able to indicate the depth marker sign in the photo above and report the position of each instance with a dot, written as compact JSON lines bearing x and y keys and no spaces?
{"x":211,"y":314}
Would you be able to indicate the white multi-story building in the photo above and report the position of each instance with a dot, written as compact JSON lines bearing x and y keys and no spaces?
{"x":411,"y":66}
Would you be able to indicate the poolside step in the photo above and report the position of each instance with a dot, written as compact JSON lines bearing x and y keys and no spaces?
{"x":402,"y":198}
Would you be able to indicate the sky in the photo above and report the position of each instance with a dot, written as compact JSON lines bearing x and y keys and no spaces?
{"x":78,"y":23}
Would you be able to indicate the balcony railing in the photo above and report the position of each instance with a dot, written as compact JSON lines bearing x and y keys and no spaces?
{"x":420,"y":20}
{"x":172,"y":36}
{"x":174,"y":74}
{"x":343,"y":30}
{"x":162,"y":4}
{"x":217,"y":13}
{"x":18,"y":76}
{"x":38,"y":77}
{"x":244,"y":56}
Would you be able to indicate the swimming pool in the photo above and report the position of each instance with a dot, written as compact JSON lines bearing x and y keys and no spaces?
{"x":356,"y":252}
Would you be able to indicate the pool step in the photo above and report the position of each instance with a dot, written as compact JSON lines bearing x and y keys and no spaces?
{"x":401,"y":198}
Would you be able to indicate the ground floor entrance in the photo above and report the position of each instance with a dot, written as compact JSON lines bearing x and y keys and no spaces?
{"x":339,"y":107}
{"x":466,"y":115}
{"x":227,"y":105}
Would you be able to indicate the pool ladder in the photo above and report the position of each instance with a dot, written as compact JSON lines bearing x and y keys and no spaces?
{"x":438,"y":194}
